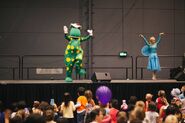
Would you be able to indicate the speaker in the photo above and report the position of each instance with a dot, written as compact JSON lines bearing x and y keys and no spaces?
{"x":180,"y":76}
{"x":101,"y":77}
{"x":175,"y":71}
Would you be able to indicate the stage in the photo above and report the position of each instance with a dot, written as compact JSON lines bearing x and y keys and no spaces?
{"x":83,"y":81}
{"x":30,"y":90}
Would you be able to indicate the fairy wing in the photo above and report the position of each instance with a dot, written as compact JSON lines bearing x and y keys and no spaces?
{"x":145,"y":50}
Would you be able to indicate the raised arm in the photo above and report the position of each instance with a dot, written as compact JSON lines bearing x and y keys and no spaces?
{"x":142,"y":36}
{"x":159,"y":37}
{"x":88,"y":36}
{"x":66,"y":33}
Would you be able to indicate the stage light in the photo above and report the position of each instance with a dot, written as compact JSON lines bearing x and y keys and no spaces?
{"x":123,"y":54}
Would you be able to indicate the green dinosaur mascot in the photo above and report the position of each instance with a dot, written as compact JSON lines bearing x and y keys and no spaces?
{"x":74,"y":53}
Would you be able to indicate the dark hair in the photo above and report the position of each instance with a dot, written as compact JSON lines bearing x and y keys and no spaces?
{"x":114,"y":103}
{"x":94,"y":113}
{"x":43,"y":105}
{"x":62,"y":120}
{"x":67,"y":99}
{"x":152,"y":106}
{"x":49,"y":115}
{"x":81,"y":90}
{"x":136,"y":121}
{"x":16,"y":119}
{"x":35,"y":118}
{"x":161,"y":93}
{"x":171,"y":109}
{"x":21,"y":104}
{"x":132,"y":100}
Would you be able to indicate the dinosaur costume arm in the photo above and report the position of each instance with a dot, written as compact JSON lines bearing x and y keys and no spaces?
{"x":67,"y":37}
{"x":85,"y":38}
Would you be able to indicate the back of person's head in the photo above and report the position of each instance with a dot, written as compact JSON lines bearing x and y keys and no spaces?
{"x":81,"y":91}
{"x":35,"y":118}
{"x":43,"y":105}
{"x":152,"y":106}
{"x":88,"y":94}
{"x":21,"y":113}
{"x":49,"y":115}
{"x":136,"y":121}
{"x":16,"y":119}
{"x":114,"y":103}
{"x":161,"y":93}
{"x":14,"y":106}
{"x":138,"y":113}
{"x":36,"y":104}
{"x":171,"y":109}
{"x":103,"y":111}
{"x":62,"y":120}
{"x":148,"y":96}
{"x":67,"y":98}
{"x":140,"y":104}
{"x":21,"y":104}
{"x":121,"y":117}
{"x":132,"y":100}
{"x":171,"y":119}
{"x":94,"y":113}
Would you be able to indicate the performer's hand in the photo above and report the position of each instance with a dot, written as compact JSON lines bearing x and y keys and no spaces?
{"x":140,"y":35}
{"x":162,"y":33}
{"x":65,"y":30}
{"x":90,"y":32}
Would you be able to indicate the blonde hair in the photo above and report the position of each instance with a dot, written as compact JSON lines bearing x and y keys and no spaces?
{"x":149,"y":96}
{"x":171,"y":119}
{"x":88,"y":95}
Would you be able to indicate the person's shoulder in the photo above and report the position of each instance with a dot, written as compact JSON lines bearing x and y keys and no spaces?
{"x":82,"y":97}
{"x":71,"y":102}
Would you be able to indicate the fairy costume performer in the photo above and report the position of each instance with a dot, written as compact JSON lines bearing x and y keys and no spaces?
{"x":74,"y":53}
{"x":150,"y":50}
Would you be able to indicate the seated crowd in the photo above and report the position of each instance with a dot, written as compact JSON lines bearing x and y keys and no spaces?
{"x":84,"y":110}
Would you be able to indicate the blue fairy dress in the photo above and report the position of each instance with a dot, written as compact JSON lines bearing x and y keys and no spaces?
{"x":150,"y":50}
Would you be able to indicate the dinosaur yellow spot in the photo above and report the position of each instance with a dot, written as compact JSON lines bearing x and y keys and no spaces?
{"x":72,"y":47}
{"x":67,"y":68}
{"x":72,"y":60}
{"x":66,"y":52}
{"x":80,"y":65}
{"x":68,"y":59}
{"x":68,"y":46}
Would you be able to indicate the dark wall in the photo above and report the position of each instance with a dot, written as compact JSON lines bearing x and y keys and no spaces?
{"x":36,"y":28}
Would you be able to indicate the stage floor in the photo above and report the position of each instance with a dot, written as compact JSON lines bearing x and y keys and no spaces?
{"x":82,"y":81}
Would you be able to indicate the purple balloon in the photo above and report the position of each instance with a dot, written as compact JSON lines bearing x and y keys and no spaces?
{"x":103,"y":94}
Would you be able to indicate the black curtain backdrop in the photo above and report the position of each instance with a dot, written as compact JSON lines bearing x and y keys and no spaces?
{"x":44,"y":92}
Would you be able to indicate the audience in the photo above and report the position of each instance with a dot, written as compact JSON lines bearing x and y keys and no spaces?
{"x":88,"y":112}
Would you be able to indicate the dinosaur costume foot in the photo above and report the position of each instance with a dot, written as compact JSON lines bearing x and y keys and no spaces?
{"x":68,"y":79}
{"x":82,"y":72}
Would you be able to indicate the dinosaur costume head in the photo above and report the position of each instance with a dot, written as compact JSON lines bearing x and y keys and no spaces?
{"x":75,"y":30}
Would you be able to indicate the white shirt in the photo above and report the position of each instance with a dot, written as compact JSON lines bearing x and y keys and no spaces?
{"x":68,"y":111}
{"x":151,"y":116}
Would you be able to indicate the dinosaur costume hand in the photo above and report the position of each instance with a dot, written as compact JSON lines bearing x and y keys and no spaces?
{"x":90,"y":32}
{"x":65,"y":30}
